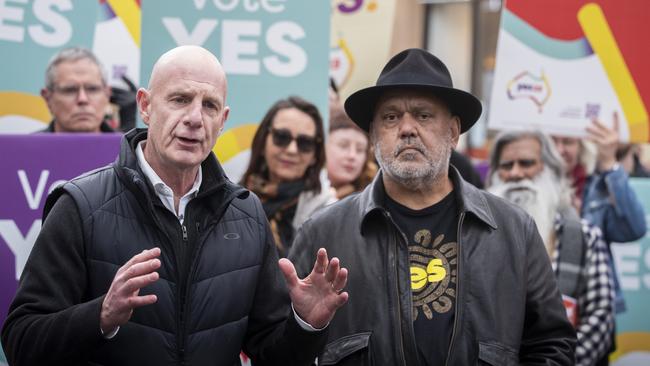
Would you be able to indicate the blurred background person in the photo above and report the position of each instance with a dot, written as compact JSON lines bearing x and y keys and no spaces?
{"x":76,"y":92}
{"x":124,"y":100}
{"x":349,"y":165}
{"x":526,"y":169}
{"x":287,"y":155}
{"x":466,"y":169}
{"x":607,"y":201}
{"x":629,"y":156}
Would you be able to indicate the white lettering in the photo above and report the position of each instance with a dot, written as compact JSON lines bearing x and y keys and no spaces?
{"x":199,"y":4}
{"x":233,"y":47}
{"x":19,"y":245}
{"x":267,"y":4}
{"x":275,"y":39}
{"x":61,"y":27}
{"x":226,"y":7}
{"x":626,"y":258}
{"x":11,"y":32}
{"x":251,"y":6}
{"x":33,"y":199}
{"x":198,"y":36}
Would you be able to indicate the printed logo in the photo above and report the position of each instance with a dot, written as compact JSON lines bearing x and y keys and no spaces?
{"x":433,"y":269}
{"x":341,"y":63}
{"x":532,"y":87}
{"x":231,"y":236}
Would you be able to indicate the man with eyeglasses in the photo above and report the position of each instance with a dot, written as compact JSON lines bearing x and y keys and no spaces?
{"x":76,"y":92}
{"x":442,"y":273}
{"x":526,"y":169}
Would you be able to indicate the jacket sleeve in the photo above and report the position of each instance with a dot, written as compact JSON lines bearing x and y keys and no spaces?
{"x":49,"y":321}
{"x":274,"y":337}
{"x":622,"y":216}
{"x":548,"y":336}
{"x":596,"y":309}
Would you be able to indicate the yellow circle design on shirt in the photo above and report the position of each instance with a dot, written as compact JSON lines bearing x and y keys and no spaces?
{"x":431,"y":274}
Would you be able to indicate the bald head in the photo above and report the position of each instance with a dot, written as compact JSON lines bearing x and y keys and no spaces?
{"x":185,"y":110}
{"x":186,"y":61}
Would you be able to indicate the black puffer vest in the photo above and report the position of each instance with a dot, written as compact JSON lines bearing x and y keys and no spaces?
{"x":119,"y":221}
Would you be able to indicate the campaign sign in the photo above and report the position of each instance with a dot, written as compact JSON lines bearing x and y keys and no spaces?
{"x":31,"y":32}
{"x":269,"y":49}
{"x":30,"y":167}
{"x":562,"y":63}
{"x":633,"y":267}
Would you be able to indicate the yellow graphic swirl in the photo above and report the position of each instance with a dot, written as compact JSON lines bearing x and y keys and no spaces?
{"x":23,"y":104}
{"x":594,"y":24}
{"x":129,"y":12}
{"x":234,"y":141}
{"x":631,"y":342}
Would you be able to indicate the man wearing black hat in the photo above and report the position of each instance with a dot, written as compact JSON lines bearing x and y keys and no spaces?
{"x":443,"y":273}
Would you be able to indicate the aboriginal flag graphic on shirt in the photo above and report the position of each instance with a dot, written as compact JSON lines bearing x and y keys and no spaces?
{"x":433,"y":250}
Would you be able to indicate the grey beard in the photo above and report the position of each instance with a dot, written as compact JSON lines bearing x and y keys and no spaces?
{"x":540,"y":198}
{"x":414,"y":178}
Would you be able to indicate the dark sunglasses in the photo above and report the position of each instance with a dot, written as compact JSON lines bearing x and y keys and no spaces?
{"x":282,"y":138}
{"x":524,"y":163}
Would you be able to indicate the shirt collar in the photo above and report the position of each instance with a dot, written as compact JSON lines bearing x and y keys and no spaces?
{"x":159,"y":186}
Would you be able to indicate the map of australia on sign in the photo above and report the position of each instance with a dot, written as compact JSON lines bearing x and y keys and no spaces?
{"x":528,"y":86}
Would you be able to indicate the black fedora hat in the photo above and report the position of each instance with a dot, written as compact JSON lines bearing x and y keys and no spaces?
{"x":417,"y":69}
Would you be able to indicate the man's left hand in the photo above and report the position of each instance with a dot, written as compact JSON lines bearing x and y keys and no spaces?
{"x":317,"y":297}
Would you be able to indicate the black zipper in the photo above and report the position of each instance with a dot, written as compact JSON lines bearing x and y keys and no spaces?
{"x":183,"y":312}
{"x":456,"y":307}
{"x":180,"y":305}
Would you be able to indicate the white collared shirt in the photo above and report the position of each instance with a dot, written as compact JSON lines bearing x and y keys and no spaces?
{"x":163,"y":191}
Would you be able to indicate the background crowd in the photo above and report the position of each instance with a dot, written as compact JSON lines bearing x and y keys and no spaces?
{"x":576,"y":190}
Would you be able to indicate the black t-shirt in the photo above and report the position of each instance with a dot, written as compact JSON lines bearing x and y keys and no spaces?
{"x":433,"y":249}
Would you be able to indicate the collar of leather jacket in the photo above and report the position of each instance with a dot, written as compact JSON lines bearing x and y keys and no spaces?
{"x":471,"y":199}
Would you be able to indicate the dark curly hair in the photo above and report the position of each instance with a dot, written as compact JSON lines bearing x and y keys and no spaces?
{"x":257,"y":164}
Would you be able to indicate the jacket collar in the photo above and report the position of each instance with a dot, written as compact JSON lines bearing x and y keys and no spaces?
{"x":471,"y":200}
{"x":214,"y":181}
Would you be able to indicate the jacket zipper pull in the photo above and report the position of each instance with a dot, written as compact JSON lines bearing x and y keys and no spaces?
{"x":184,"y":232}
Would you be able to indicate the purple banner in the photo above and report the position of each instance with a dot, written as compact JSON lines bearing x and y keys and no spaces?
{"x":30,"y":167}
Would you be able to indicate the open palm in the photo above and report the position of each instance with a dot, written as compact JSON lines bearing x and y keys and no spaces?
{"x":317,"y":297}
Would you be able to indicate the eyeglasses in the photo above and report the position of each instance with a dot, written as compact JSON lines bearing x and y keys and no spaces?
{"x":523,"y":163}
{"x":72,"y":91}
{"x":282,"y":137}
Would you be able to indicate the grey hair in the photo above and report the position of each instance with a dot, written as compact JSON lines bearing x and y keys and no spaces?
{"x":550,"y":156}
{"x":70,"y":55}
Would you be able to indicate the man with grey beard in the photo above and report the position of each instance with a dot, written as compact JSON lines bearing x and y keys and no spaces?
{"x":527,"y":170}
{"x":441,"y":273}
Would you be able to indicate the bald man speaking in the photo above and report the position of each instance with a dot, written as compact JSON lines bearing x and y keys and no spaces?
{"x":158,"y":259}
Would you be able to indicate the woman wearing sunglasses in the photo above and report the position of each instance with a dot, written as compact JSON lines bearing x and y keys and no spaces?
{"x":287,"y":155}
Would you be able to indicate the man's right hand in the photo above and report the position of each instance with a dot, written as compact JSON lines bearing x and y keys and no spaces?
{"x":122,"y":296}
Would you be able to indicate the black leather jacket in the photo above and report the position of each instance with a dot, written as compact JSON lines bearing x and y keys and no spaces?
{"x":508,"y":308}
